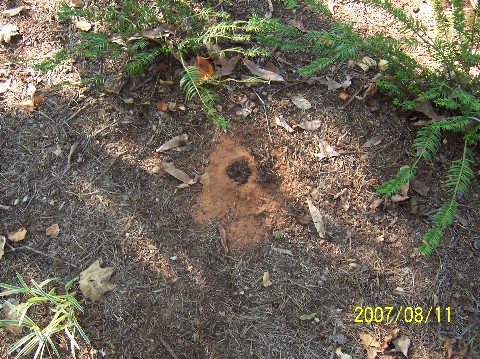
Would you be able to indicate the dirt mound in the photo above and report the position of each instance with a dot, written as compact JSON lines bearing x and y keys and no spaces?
{"x":234,"y":197}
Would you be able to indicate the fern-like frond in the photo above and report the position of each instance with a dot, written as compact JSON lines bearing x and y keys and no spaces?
{"x":427,"y":142}
{"x":290,"y":4}
{"x":442,"y":219}
{"x":142,"y":61}
{"x":317,"y":65}
{"x":460,"y":175}
{"x":392,"y":187}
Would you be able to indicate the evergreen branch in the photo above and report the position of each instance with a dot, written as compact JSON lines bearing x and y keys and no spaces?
{"x":392,"y":187}
{"x":427,"y":142}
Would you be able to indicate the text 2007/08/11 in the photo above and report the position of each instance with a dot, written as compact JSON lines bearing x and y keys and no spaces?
{"x":406,"y":314}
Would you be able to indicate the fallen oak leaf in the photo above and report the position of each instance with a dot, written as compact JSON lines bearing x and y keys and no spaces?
{"x":53,"y":231}
{"x":370,"y":344}
{"x":176,"y":142}
{"x":401,"y":345}
{"x":310,"y":125}
{"x":18,"y":235}
{"x":95,"y":281}
{"x":262,"y":73}
{"x":317,"y":219}
{"x":170,"y":168}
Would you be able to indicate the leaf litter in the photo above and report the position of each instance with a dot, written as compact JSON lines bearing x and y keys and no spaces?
{"x":312,"y":125}
{"x":173,"y":171}
{"x":371,"y":345}
{"x":301,"y":102}
{"x":261,"y":72}
{"x":53,"y":231}
{"x":178,"y":143}
{"x":18,"y":235}
{"x":95,"y":281}
{"x":280,"y":121}
{"x":266,"y":279}
{"x":317,"y":219}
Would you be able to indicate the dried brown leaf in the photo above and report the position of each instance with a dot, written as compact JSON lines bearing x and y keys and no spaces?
{"x":13,"y":12}
{"x":53,"y":231}
{"x":266,"y":279}
{"x":170,"y":168}
{"x":227,"y":66}
{"x":402,"y":344}
{"x":326,"y":151}
{"x":262,"y":73}
{"x":427,"y":109}
{"x":162,"y":106}
{"x":177,"y":141}
{"x":95,"y":281}
{"x":18,"y":235}
{"x":164,"y":30}
{"x":374,"y":141}
{"x":370,"y":344}
{"x":204,"y":67}
{"x":223,"y":237}
{"x":343,"y":96}
{"x":3,"y":240}
{"x":420,"y":187}
{"x":298,"y":25}
{"x":310,"y":125}
{"x":280,"y":121}
{"x":366,"y":63}
{"x":301,"y":102}
{"x":114,"y":84}
{"x":10,"y":313}
{"x":317,"y":219}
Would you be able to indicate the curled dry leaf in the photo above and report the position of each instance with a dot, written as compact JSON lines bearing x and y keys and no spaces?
{"x":301,"y":102}
{"x":266,"y":279}
{"x":262,"y":73}
{"x":176,"y":142}
{"x":170,"y":168}
{"x":317,"y":219}
{"x":83,"y":25}
{"x":371,"y":345}
{"x":53,"y":231}
{"x":310,"y":125}
{"x":374,"y":141}
{"x":3,"y":240}
{"x":342,"y":355}
{"x":17,"y":236}
{"x":366,"y":63}
{"x":280,"y":121}
{"x":10,"y":313}
{"x":223,"y":237}
{"x":326,"y":151}
{"x":95,"y":281}
{"x":204,"y":67}
{"x":7,"y":32}
{"x":14,"y":11}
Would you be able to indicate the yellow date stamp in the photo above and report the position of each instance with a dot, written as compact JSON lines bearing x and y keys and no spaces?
{"x":405,"y":314}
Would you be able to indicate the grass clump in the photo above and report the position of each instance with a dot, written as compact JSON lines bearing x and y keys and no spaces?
{"x":57,"y":313}
{"x":451,"y":84}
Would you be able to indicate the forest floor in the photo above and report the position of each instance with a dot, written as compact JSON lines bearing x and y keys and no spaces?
{"x":87,"y":160}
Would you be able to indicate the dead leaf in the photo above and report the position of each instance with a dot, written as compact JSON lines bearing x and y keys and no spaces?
{"x":279,"y":121}
{"x":402,"y":344}
{"x":14,"y":11}
{"x":262,"y":73}
{"x":375,"y":203}
{"x":374,"y":141}
{"x":342,"y":355}
{"x":162,"y":106}
{"x":77,"y":3}
{"x":4,"y":86}
{"x":403,"y":195}
{"x":420,"y":187}
{"x":53,"y":231}
{"x":366,"y":63}
{"x":176,"y":142}
{"x":114,"y":84}
{"x":427,"y":109}
{"x":3,"y":240}
{"x":204,"y":67}
{"x":17,"y":236}
{"x":164,"y":30}
{"x":317,"y":219}
{"x":334,"y":85}
{"x":10,"y":313}
{"x":227,"y":66}
{"x":370,"y":344}
{"x":308,"y":316}
{"x":343,"y":96}
{"x":297,"y":24}
{"x":205,"y":179}
{"x":95,"y":281}
{"x":266,"y":279}
{"x":170,"y":168}
{"x":223,"y":237}
{"x":7,"y":32}
{"x":326,"y":151}
{"x":301,"y":102}
{"x":310,"y":125}
{"x":382,"y":65}
{"x":83,"y":25}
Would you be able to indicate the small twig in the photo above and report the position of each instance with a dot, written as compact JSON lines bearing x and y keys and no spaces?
{"x":266,"y":114}
{"x":353,"y":97}
{"x":168,"y":347}
{"x":70,"y":154}
{"x":12,"y":249}
{"x":76,"y":113}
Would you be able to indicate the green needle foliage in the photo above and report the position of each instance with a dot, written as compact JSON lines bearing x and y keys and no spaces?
{"x":452,"y":84}
{"x":62,"y":317}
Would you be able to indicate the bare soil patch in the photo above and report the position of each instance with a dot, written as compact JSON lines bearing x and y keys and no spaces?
{"x":178,"y":292}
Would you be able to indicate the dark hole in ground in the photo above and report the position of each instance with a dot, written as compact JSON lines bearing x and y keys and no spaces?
{"x":239,"y":171}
